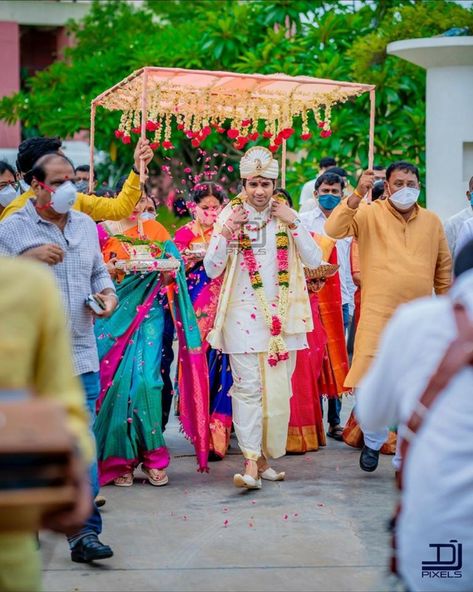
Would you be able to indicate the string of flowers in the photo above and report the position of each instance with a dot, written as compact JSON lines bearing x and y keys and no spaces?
{"x":277,"y":349}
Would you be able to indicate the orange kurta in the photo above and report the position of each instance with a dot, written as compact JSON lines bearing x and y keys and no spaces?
{"x":399,"y":261}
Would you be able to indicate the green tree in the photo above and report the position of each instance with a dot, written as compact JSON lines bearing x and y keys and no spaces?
{"x":327,"y":39}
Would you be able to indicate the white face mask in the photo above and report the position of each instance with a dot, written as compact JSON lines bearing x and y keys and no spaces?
{"x":7,"y":195}
{"x":64,"y":197}
{"x":405,"y":198}
{"x":147,"y":216}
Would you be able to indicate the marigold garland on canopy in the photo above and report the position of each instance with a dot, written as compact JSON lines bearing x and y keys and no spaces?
{"x":156,"y":100}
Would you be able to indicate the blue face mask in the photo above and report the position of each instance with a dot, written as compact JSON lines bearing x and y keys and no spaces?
{"x":470,"y":193}
{"x":329,"y":201}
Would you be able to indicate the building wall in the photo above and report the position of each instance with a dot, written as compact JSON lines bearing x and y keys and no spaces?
{"x":10,"y":78}
{"x":449,"y":137}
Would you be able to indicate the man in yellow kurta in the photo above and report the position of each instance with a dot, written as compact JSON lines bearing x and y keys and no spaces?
{"x":36,"y":357}
{"x":98,"y":208}
{"x":403,"y":255}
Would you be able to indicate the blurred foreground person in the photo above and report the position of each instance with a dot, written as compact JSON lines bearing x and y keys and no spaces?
{"x":423,"y":380}
{"x":36,"y":358}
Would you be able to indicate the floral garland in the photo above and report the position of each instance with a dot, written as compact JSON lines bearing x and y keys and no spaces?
{"x":277,"y":349}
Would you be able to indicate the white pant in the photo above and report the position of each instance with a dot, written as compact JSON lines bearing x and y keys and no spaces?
{"x":247,"y":401}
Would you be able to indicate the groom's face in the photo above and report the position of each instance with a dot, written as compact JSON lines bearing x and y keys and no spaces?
{"x":259,"y":191}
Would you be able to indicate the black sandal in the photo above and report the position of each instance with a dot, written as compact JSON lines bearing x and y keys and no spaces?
{"x":336,"y":432}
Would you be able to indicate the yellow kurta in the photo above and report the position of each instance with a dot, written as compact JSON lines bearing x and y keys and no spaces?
{"x":399,"y":261}
{"x":35,"y":355}
{"x":98,"y":208}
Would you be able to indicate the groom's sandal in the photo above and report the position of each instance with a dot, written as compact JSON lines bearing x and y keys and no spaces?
{"x":270,"y":475}
{"x":246,"y":481}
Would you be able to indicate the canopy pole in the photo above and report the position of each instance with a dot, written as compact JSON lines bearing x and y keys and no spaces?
{"x":144,"y":115}
{"x":283,"y":164}
{"x":371,"y":139}
{"x":91,"y":143}
{"x":371,"y":136}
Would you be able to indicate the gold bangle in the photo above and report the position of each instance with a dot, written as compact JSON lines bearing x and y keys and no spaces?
{"x":357,"y":193}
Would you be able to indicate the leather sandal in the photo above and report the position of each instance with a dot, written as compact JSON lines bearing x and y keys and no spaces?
{"x":246,"y":481}
{"x":125,"y":480}
{"x":163,"y":480}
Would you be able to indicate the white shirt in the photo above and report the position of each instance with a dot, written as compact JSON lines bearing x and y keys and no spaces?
{"x":307,"y":200}
{"x":465,"y":235}
{"x":437,"y":499}
{"x":244,"y":329}
{"x":314,"y":221}
{"x":454,"y":224}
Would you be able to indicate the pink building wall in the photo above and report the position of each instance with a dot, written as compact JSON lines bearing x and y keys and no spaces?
{"x":10,"y":77}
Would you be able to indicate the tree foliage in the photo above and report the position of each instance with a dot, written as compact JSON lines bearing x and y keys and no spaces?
{"x":327,"y":39}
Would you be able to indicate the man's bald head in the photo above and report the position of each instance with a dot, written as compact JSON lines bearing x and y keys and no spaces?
{"x":52,"y":165}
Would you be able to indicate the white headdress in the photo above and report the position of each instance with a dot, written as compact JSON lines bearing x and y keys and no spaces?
{"x":258,"y":162}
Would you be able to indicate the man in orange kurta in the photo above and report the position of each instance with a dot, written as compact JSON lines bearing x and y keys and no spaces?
{"x":403,"y":255}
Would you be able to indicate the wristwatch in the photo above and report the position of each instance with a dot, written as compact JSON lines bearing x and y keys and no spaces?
{"x":295,"y":224}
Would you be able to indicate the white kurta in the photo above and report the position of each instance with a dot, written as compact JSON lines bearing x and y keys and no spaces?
{"x":465,"y":235}
{"x":437,"y":500}
{"x":245,"y":330}
{"x":453,"y":226}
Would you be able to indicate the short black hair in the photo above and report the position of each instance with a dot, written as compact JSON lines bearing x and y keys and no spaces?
{"x":464,"y":259}
{"x":329,"y":178}
{"x":84,"y":168}
{"x":338,"y":171}
{"x":5,"y":166}
{"x":38,"y":171}
{"x":287,"y":195}
{"x":326,"y":162}
{"x":378,"y":167}
{"x":32,"y":149}
{"x":402,"y":165}
{"x":204,"y":189}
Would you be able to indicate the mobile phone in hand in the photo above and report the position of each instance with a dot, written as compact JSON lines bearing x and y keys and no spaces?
{"x":95,"y":304}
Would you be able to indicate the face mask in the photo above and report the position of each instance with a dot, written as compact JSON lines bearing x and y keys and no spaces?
{"x":405,"y":198}
{"x":7,"y":195}
{"x":470,"y":193}
{"x":329,"y":201}
{"x":82,"y":186}
{"x":147,"y":216}
{"x":64,"y":197}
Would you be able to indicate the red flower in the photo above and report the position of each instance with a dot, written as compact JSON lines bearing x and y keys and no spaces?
{"x":136,"y":130}
{"x":254,"y":136}
{"x":220,"y":130}
{"x":276,"y":325}
{"x":167,"y":145}
{"x":245,"y":122}
{"x":154,"y":145}
{"x":189,"y":134}
{"x":152,"y":126}
{"x":119,"y":134}
{"x":278,"y":140}
{"x":273,"y":147}
{"x":272,"y":361}
{"x":325,"y":133}
{"x":195,"y":142}
{"x":180,"y":126}
{"x":321,"y":123}
{"x":126,"y":139}
{"x":188,"y":170}
{"x":306,"y":136}
{"x":205,"y":131}
{"x":232,"y":133}
{"x":267,"y":134}
{"x":243,"y":140}
{"x":287,"y":132}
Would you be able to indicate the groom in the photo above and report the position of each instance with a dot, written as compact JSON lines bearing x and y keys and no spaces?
{"x":263,"y":312}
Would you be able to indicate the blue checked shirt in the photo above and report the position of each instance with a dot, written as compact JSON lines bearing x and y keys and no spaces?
{"x":81,"y":272}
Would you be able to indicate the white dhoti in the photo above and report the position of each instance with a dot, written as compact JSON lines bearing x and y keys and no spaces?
{"x":261,"y":423}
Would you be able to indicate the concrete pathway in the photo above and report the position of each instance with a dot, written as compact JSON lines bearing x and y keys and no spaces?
{"x":323,"y":529}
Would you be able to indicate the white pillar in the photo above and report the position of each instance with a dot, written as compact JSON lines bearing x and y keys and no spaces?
{"x":449,"y":116}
